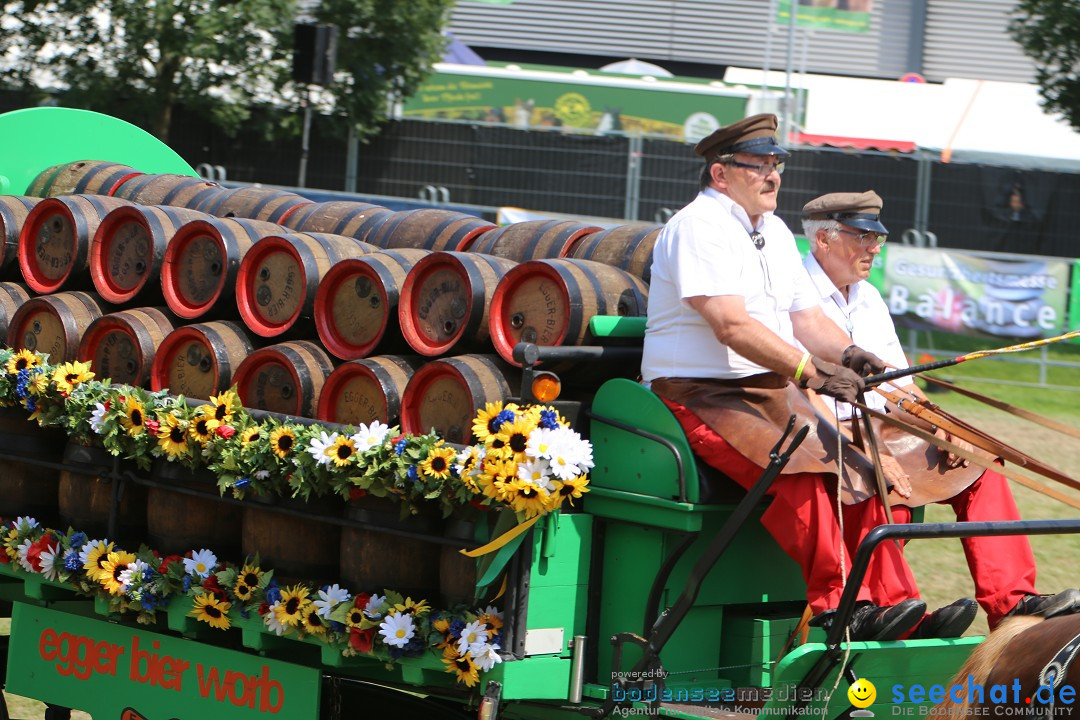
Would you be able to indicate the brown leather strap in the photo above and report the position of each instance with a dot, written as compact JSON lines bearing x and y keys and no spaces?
{"x":979,"y":460}
{"x":1011,"y":409}
{"x":801,"y":631}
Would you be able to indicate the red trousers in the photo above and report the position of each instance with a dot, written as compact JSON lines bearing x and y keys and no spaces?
{"x":802,"y":519}
{"x":1003,"y":568}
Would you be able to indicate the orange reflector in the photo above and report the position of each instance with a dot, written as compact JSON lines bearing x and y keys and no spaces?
{"x":546,"y":386}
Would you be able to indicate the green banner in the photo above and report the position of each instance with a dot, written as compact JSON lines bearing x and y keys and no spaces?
{"x":591,"y":102}
{"x":977,"y":294}
{"x":114,"y":671}
{"x":846,"y":15}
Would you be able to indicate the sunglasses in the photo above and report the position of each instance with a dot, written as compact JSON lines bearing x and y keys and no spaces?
{"x":868,"y":238}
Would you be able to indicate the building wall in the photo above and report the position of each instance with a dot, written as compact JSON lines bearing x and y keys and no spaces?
{"x":938,"y":38}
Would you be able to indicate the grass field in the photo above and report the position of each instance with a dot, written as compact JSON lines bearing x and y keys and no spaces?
{"x":939,"y":565}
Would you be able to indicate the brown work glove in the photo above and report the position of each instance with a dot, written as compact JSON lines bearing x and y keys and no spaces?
{"x":834,"y":381}
{"x":862,"y":361}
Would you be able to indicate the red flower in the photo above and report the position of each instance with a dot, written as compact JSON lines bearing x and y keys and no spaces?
{"x":225,"y":431}
{"x":360,"y":640}
{"x":361,"y":600}
{"x":4,"y":558}
{"x":211,"y":583}
{"x":108,"y":405}
{"x":479,"y":505}
{"x":169,"y":560}
{"x":356,"y":493}
{"x":33,"y":553}
{"x":152,"y":426}
{"x":264,"y":607}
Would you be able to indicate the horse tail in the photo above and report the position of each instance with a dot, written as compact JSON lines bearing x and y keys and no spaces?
{"x":982,"y":660}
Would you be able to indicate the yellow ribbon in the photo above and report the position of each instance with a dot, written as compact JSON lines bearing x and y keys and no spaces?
{"x":502,"y":589}
{"x":502,"y":539}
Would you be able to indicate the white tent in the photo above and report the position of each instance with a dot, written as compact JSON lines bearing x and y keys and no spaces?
{"x":976,"y":120}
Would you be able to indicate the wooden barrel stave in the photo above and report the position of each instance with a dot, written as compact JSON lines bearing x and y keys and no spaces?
{"x":341,"y":217}
{"x":255,"y":203}
{"x":89,"y":177}
{"x":627,"y":247}
{"x":429,"y":229}
{"x":532,"y":239}
{"x":412,"y":568}
{"x":297,"y":548}
{"x":13,"y":212}
{"x":181,"y":191}
{"x":12,"y":297}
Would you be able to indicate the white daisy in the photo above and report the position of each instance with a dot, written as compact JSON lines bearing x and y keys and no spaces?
{"x":97,"y":418}
{"x":473,"y":454}
{"x":52,"y":562}
{"x":373,"y":604}
{"x":475,"y":633}
{"x":539,"y":443}
{"x":89,"y":546}
{"x":132,"y":574}
{"x":23,"y":552}
{"x":262,"y":474}
{"x":330,"y":598}
{"x":397,"y":629}
{"x":536,"y":472}
{"x":25,"y":524}
{"x":368,"y":436}
{"x":201,"y":563}
{"x":490,"y":610}
{"x":486,"y":656}
{"x":321,"y":448}
{"x":271,"y":621}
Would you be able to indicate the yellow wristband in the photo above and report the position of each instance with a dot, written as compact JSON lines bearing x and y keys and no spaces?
{"x":802,"y":366}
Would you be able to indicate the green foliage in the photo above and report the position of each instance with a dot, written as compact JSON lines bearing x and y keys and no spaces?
{"x":137,"y":60}
{"x":1049,"y":32}
{"x":385,"y":49}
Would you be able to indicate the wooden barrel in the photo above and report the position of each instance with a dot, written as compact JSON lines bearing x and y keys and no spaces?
{"x":200,"y":264}
{"x":177,"y":522}
{"x":200,"y":360}
{"x":340,"y":217}
{"x":286,"y":378}
{"x":445,"y":394}
{"x":182,"y":191}
{"x":54,"y":245}
{"x":127,"y":250}
{"x":532,"y":239}
{"x":627,"y":247}
{"x":412,"y":568}
{"x":86,"y":497}
{"x":54,"y":324}
{"x":13,"y":212}
{"x":256,"y":203}
{"x":12,"y":296}
{"x":90,"y":177}
{"x":121,"y":345}
{"x":356,"y":304}
{"x":457,"y":572}
{"x":550,"y":302}
{"x":361,"y":391}
{"x":26,"y":488}
{"x":279,"y":276}
{"x":430,"y":229}
{"x":297,"y":548}
{"x":444,"y":302}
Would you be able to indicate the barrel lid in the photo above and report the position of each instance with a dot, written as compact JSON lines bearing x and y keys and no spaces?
{"x":353,"y":394}
{"x":436,"y":303}
{"x":122,"y":254}
{"x":37,"y":326}
{"x":266,"y":381}
{"x":48,"y":245}
{"x":271,"y":286}
{"x":194,"y":269}
{"x":186,"y":364}
{"x":353,"y":307}
{"x":530,"y":304}
{"x":437,"y":397}
{"x":113,"y":350}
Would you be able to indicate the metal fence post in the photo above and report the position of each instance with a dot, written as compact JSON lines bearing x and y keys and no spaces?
{"x":634,"y":148}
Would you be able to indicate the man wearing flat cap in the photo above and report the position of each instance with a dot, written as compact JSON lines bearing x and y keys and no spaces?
{"x":846,"y":234}
{"x":727,"y":301}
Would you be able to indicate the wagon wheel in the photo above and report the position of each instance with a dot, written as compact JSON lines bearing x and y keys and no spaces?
{"x":347,"y":699}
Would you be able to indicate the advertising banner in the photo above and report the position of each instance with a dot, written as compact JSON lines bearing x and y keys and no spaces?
{"x":977,"y":294}
{"x":846,"y":15}
{"x":591,"y":102}
{"x":111,"y":670}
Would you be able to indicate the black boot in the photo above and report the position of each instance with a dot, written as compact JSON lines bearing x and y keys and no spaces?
{"x":947,"y":622}
{"x":1066,"y":601}
{"x":872,"y":622}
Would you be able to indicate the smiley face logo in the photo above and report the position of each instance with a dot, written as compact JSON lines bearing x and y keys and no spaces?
{"x":862,"y":693}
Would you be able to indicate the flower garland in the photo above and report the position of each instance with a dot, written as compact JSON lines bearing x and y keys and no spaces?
{"x":527,"y":460}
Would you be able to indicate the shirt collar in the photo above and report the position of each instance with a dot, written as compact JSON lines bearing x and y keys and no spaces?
{"x":825,"y":287}
{"x":735,"y":209}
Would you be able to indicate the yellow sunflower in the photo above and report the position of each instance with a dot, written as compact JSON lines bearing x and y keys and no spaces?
{"x":439,"y":462}
{"x":134,"y":418}
{"x":115,"y":563}
{"x":70,"y":374}
{"x":312,"y":622}
{"x":342,"y":451}
{"x":250,"y":435}
{"x":172,"y":436}
{"x":225,"y":404}
{"x":282,"y":441}
{"x":524,"y":497}
{"x":21,"y":360}
{"x":414,"y":608}
{"x":211,"y":610}
{"x":242,"y":591}
{"x":95,"y":557}
{"x":494,"y":623}
{"x":484,"y":425}
{"x":515,"y":436}
{"x":355,"y":618}
{"x":495,"y":476}
{"x":460,"y":665}
{"x":250,"y":575}
{"x":294,"y":603}
{"x":202,"y":427}
{"x":570,"y":489}
{"x":38,"y":384}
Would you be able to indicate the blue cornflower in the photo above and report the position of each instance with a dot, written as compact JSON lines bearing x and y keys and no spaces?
{"x":413,"y":474}
{"x":77,"y":540}
{"x":400,"y":445}
{"x":506,"y":416}
{"x":243,"y":482}
{"x":22,"y":380}
{"x":187,"y":582}
{"x":549,"y":419}
{"x":71,"y":561}
{"x":456,"y":626}
{"x":273,"y":592}
{"x":31,"y":404}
